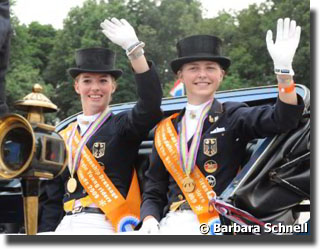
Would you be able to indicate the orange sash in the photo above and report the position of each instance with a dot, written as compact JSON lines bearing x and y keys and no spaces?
{"x":166,"y":143}
{"x":123,"y":213}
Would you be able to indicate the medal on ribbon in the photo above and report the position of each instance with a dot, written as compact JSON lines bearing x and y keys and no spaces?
{"x":74,"y":160}
{"x":197,"y":195}
{"x":72,"y":185}
{"x":188,"y":157}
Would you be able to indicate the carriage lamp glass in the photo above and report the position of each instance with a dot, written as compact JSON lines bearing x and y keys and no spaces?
{"x":53,"y":151}
{"x":16,"y":148}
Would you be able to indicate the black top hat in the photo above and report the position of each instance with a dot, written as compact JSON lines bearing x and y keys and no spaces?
{"x":95,"y":60}
{"x":199,"y":47}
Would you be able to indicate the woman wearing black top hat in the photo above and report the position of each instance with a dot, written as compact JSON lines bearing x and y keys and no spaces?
{"x":198,"y":151}
{"x":98,"y":193}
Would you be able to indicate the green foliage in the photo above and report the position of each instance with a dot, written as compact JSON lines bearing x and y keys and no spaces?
{"x":41,"y":42}
{"x":41,"y":54}
{"x":29,"y":49}
{"x":233,"y":82}
{"x":166,"y":89}
{"x":20,"y":82}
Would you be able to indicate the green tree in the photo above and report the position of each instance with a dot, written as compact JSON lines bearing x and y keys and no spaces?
{"x":20,"y":82}
{"x":26,"y":58}
{"x":41,"y":38}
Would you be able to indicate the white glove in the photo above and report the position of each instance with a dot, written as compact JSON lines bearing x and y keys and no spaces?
{"x":119,"y":32}
{"x":284,"y":48}
{"x":150,"y":226}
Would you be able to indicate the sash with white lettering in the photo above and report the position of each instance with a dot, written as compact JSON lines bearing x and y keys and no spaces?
{"x":124,"y":214}
{"x":166,"y":142}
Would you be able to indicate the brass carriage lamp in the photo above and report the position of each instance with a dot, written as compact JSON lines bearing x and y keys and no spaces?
{"x":31,"y":150}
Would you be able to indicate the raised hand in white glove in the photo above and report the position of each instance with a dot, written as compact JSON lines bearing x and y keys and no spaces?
{"x":150,"y":226}
{"x":119,"y":32}
{"x":284,"y":48}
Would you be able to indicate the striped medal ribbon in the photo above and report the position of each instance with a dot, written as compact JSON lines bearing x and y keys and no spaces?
{"x":74,"y":161}
{"x":188,"y":157}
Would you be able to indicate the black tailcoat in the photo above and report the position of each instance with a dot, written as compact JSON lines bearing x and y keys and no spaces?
{"x":241,"y":124}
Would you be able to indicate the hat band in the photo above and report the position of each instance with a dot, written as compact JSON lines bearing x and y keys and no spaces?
{"x":96,"y":67}
{"x":200,"y":54}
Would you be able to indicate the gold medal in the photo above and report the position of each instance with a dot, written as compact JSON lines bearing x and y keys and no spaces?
{"x":72,"y":185}
{"x":188,"y":185}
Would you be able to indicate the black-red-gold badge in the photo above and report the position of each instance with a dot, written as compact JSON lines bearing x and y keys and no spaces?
{"x":210,"y":146}
{"x":99,"y":149}
{"x":210,"y":166}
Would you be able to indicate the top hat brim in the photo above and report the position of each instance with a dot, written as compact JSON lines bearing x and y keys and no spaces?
{"x":74,"y":72}
{"x":176,"y":64}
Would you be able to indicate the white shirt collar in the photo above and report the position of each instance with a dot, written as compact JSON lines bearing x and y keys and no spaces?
{"x":195,"y":110}
{"x":195,"y":107}
{"x":84,"y":121}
